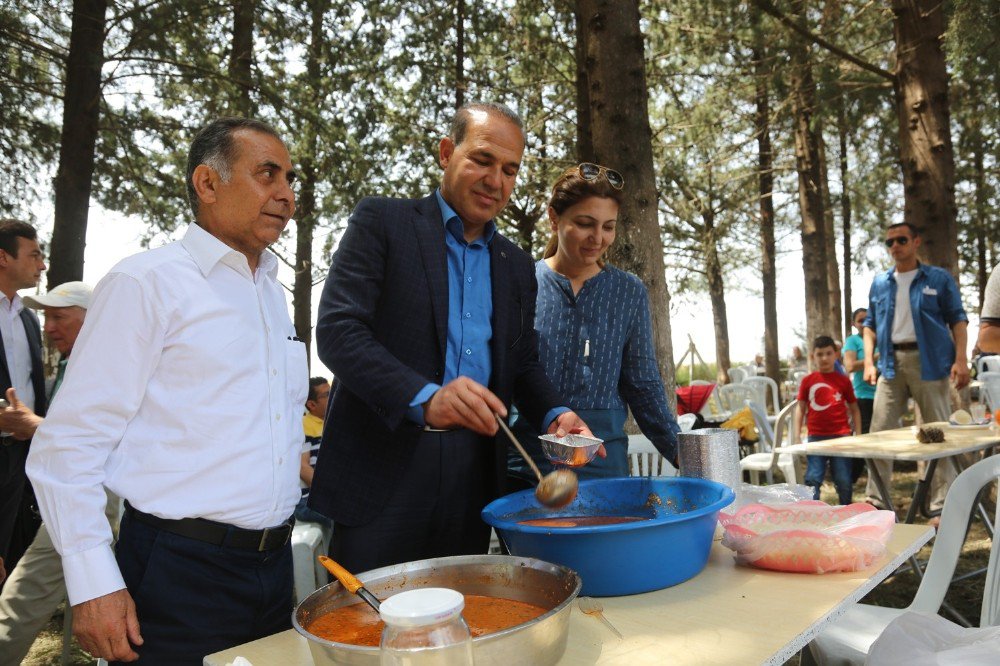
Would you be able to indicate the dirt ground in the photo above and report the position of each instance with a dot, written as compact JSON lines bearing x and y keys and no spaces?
{"x":897,"y":591}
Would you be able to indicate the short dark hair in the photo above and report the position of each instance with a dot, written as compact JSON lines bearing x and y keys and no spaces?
{"x":823,"y":341}
{"x":460,"y":122}
{"x":315,"y":383}
{"x":855,"y":313}
{"x":11,"y":230}
{"x":914,"y":232}
{"x":214,"y":147}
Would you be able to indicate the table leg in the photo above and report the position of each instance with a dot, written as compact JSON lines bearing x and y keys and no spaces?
{"x":920,"y":492}
{"x":983,"y":514}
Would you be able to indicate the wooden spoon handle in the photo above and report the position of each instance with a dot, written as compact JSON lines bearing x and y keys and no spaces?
{"x":346,"y":578}
{"x":517,"y":444}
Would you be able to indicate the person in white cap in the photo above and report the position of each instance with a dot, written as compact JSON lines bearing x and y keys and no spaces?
{"x":36,"y":587}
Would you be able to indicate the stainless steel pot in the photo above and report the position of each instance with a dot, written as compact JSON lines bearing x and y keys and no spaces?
{"x":540,"y":641}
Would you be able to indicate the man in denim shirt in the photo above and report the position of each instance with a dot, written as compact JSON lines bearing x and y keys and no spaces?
{"x":912,"y":306}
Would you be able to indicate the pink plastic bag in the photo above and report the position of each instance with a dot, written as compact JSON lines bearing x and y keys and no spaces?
{"x":808,"y":536}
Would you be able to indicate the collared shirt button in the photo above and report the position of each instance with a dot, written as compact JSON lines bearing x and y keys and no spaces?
{"x":469,"y":280}
{"x":281,"y":460}
{"x":274,"y":371}
{"x":277,"y":417}
{"x":468,"y":352}
{"x":468,"y":315}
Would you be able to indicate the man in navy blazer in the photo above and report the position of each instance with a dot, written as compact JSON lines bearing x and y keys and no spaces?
{"x":21,"y":266}
{"x":427,"y":321}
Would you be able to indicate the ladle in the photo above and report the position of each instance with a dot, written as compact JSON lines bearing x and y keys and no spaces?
{"x":556,"y":489}
{"x":349,"y":581}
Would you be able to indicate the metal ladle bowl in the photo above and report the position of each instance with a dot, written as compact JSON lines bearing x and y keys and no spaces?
{"x":554,"y":490}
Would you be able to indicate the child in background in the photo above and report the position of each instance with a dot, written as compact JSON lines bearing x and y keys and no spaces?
{"x":825,"y":397}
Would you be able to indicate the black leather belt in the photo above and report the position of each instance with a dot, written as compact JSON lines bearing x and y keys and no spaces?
{"x":218,"y":534}
{"x":904,"y":346}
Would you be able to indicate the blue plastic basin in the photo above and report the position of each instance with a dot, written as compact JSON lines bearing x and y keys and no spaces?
{"x":625,"y":558}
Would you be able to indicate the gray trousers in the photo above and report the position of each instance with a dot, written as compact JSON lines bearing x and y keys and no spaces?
{"x":933,"y":399}
{"x":33,"y":592}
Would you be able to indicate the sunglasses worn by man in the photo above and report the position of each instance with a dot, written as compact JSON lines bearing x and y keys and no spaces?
{"x":590,"y":171}
{"x":902,"y":240}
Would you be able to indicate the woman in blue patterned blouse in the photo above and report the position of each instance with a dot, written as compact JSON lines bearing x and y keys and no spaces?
{"x":595,"y":334}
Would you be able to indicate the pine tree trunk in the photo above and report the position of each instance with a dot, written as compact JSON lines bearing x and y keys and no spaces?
{"x":925,"y":147}
{"x":834,"y":318}
{"x":306,"y":209}
{"x":584,"y":140}
{"x":845,"y":212}
{"x":765,"y":179}
{"x":459,"y":53}
{"x":614,"y":64}
{"x":717,"y":294}
{"x":241,"y":58}
{"x":981,"y":222}
{"x":81,"y":113}
{"x":807,"y":165}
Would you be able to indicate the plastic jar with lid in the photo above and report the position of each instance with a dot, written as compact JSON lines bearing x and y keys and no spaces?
{"x":424,"y":627}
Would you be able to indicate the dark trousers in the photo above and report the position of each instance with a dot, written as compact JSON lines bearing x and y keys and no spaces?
{"x":194,"y":598}
{"x":12,"y":482}
{"x":434,"y":511}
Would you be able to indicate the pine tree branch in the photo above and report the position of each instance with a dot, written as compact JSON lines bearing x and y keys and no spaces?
{"x":768,"y":7}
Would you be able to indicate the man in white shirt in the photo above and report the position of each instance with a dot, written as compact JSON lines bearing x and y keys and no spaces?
{"x":183,"y":397}
{"x":21,"y":266}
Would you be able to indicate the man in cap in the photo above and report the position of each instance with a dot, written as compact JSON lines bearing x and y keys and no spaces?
{"x":36,"y":587}
{"x":185,"y":399}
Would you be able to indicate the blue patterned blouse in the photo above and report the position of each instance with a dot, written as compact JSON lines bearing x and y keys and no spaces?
{"x":597,"y":348}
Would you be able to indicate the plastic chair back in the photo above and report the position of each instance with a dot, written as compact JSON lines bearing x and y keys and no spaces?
{"x":990,"y":391}
{"x":687,"y":421}
{"x":737,"y":375}
{"x":763,"y":386}
{"x":987,"y":364}
{"x":645,"y":460}
{"x":958,"y":506}
{"x":733,"y":396}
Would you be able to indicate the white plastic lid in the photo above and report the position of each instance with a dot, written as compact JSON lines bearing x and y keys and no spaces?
{"x":428,"y":605}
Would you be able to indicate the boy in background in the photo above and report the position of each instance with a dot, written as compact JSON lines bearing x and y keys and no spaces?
{"x":825,"y":398}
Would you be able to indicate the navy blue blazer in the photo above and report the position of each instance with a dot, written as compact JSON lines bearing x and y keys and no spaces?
{"x":382,"y":329}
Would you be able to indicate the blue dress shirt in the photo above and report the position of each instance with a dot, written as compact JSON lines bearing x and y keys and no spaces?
{"x":470,"y":310}
{"x":936,"y":306}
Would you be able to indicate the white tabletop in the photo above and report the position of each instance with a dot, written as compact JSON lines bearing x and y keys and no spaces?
{"x":726,"y":615}
{"x":902,"y":444}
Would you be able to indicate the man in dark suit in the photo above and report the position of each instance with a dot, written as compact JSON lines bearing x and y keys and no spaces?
{"x":21,"y":266}
{"x":427,"y":320}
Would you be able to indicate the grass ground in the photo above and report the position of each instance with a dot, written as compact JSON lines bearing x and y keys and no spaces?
{"x":897,"y":591}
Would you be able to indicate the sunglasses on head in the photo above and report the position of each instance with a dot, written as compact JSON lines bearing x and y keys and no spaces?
{"x":902,"y":240}
{"x":590,"y":171}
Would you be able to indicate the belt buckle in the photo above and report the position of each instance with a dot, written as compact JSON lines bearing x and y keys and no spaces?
{"x":267,"y":531}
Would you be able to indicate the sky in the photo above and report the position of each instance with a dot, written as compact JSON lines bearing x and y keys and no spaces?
{"x":111,"y":237}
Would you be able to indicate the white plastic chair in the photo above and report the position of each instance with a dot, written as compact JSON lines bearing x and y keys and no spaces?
{"x":762,"y":386}
{"x":737,"y":375}
{"x":734,"y":396}
{"x":645,"y":460}
{"x":309,"y":541}
{"x":848,"y":640}
{"x":712,"y":409}
{"x":987,"y":364}
{"x":768,"y":458}
{"x":989,"y":393}
{"x":687,"y":421}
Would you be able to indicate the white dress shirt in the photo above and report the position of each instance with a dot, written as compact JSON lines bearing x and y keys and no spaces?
{"x":183,"y":396}
{"x":16,"y":350}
